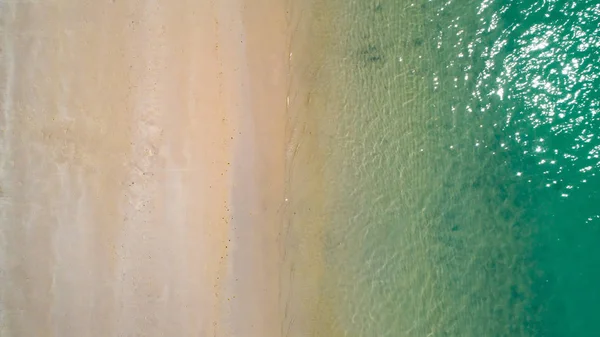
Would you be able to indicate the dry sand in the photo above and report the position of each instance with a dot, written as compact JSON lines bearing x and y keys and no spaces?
{"x":142,"y":167}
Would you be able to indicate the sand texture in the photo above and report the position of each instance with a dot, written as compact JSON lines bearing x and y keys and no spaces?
{"x":142,"y":164}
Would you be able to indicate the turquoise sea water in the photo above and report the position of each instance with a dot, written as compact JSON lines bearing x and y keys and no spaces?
{"x":462,"y":168}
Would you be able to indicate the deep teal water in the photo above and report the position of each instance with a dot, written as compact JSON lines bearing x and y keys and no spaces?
{"x":464,"y":162}
{"x":551,"y":72}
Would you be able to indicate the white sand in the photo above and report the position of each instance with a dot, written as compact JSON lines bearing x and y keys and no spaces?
{"x":142,"y":157}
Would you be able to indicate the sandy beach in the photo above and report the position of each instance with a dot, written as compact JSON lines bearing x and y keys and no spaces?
{"x":142,"y":168}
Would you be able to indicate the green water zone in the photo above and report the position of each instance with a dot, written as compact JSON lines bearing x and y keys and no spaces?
{"x":461,"y":150}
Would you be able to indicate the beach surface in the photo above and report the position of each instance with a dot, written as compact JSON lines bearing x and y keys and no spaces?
{"x":142,"y":167}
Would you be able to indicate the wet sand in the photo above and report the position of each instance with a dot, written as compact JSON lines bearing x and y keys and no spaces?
{"x":142,"y":167}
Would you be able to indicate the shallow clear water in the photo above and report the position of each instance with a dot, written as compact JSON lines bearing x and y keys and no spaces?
{"x":462,"y":157}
